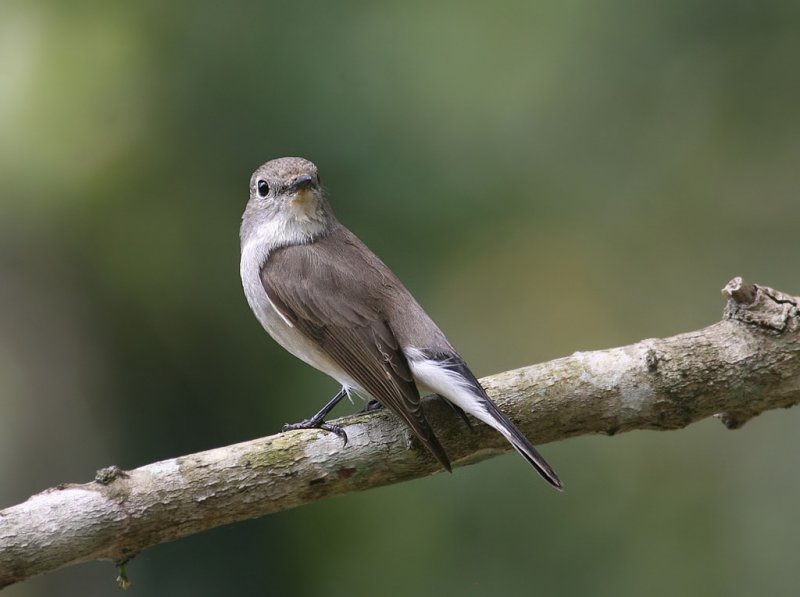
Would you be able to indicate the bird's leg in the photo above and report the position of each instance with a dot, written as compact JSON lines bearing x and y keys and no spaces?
{"x":458,"y":410}
{"x":371,"y":405}
{"x":317,"y":422}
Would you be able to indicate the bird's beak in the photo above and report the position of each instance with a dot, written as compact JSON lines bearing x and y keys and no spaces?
{"x":301,"y":187}
{"x":302,"y":183}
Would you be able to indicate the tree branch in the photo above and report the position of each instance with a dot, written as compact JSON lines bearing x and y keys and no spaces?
{"x":735,"y":369}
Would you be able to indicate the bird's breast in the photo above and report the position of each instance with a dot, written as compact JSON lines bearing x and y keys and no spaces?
{"x":276,"y":324}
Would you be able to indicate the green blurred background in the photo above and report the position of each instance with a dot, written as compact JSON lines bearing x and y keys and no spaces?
{"x":546,"y":177}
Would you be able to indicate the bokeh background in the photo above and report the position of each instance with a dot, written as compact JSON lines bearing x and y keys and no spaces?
{"x":546,"y":177}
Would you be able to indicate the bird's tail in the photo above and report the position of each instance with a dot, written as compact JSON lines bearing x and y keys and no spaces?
{"x":521,"y":444}
{"x":448,"y":375}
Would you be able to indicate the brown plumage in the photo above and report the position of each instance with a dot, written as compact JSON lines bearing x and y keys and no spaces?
{"x":326,"y":298}
{"x":350,"y":319}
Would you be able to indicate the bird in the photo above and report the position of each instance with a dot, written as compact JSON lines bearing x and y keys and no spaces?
{"x":327,"y":299}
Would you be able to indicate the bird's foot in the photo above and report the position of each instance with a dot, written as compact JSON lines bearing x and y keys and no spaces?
{"x":371,"y":405}
{"x":317,"y":424}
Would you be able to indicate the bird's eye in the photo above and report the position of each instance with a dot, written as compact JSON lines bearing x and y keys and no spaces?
{"x":263,"y":188}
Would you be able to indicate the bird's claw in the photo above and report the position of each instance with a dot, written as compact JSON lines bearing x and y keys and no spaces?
{"x":337,"y":429}
{"x":312,"y":424}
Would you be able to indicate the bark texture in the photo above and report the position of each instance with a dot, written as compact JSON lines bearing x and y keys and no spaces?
{"x":734,"y":369}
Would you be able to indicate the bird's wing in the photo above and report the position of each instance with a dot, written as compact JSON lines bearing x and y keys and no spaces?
{"x":335,"y":296}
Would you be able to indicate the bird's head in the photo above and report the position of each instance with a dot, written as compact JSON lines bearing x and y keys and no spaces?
{"x":287,"y":203}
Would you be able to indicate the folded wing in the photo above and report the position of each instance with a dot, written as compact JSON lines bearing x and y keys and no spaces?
{"x":341,"y":309}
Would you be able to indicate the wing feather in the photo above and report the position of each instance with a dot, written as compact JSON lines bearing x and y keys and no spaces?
{"x":336,"y":298}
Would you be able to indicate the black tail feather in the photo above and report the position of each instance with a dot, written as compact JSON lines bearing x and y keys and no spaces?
{"x":506,"y":427}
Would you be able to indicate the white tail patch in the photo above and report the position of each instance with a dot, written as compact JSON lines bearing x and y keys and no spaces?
{"x":449,"y":384}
